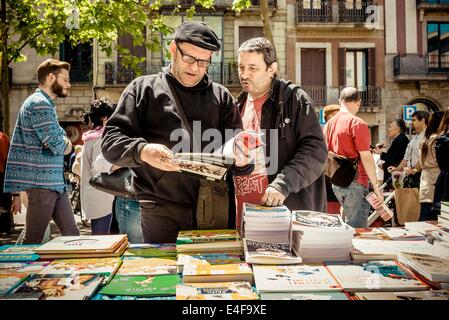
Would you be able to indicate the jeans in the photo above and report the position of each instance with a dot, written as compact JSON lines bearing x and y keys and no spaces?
{"x":127,"y":213}
{"x":44,"y":205}
{"x":162,"y":222}
{"x":101,"y":225}
{"x":355,"y":206}
{"x":426,"y":213}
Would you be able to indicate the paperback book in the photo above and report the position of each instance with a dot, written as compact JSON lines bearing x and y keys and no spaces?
{"x":18,"y":253}
{"x":151,"y":250}
{"x":201,"y":236}
{"x":269,"y":253}
{"x":217,"y":273}
{"x":134,"y":266}
{"x":216,"y":291}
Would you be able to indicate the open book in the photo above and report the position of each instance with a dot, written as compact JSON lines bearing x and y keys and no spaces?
{"x":213,"y":166}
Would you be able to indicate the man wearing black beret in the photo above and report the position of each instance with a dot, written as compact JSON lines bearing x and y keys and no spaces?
{"x":138,"y":135}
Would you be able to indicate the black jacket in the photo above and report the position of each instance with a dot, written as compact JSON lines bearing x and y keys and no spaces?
{"x":302,"y":151}
{"x":395,"y":154}
{"x":145,"y":114}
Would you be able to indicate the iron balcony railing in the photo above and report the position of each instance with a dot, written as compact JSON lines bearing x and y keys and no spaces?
{"x":416,"y":65}
{"x":323,"y":95}
{"x":116,"y":73}
{"x":327,"y":11}
{"x":217,"y":3}
{"x":432,"y":4}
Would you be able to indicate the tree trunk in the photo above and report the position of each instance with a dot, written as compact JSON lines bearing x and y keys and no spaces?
{"x":265,"y":15}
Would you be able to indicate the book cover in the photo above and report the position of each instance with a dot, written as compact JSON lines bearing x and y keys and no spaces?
{"x":105,"y":266}
{"x":217,"y":273}
{"x":85,"y":243}
{"x":258,"y":210}
{"x":318,"y":219}
{"x":152,"y":250}
{"x":56,"y":287}
{"x":412,"y":295}
{"x":384,"y":212}
{"x":293,"y":278}
{"x":201,"y":236}
{"x":432,"y":268}
{"x":22,"y":267}
{"x":374,"y":276}
{"x":161,"y":285}
{"x":212,"y":258}
{"x":210,"y":166}
{"x":86,"y":254}
{"x":9,"y":281}
{"x":216,"y":291}
{"x":269,"y":253}
{"x":18,"y":253}
{"x":401,"y":234}
{"x":134,"y":266}
{"x":387,"y":248}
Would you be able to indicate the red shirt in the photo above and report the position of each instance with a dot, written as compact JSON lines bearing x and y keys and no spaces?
{"x":347,"y":135}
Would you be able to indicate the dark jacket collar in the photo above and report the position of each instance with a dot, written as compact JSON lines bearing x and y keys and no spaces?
{"x":241,"y":97}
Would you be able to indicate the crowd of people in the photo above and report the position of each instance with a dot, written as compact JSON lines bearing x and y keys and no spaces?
{"x":137,"y":133}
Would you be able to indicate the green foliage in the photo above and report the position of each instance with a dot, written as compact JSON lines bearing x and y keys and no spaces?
{"x":239,"y":5}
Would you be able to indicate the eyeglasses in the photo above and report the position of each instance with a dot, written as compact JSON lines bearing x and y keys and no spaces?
{"x":63,"y":78}
{"x":191,"y":60}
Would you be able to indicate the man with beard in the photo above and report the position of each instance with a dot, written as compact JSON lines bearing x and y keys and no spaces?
{"x":36,"y":158}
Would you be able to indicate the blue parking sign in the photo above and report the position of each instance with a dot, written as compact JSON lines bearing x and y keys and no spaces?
{"x":321,"y":117}
{"x":407,"y":113}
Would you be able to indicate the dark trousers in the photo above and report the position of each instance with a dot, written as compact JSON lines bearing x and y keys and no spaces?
{"x":44,"y":205}
{"x":161,"y":222}
{"x":426,"y":213}
{"x":101,"y":226}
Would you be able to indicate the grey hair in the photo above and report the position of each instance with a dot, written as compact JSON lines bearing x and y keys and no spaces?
{"x":260,"y":45}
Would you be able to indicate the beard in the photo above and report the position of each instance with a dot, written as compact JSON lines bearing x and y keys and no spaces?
{"x":58,"y":90}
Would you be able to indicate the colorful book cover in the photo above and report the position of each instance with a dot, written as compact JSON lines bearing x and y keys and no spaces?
{"x":162,"y":285}
{"x":374,"y":276}
{"x":56,"y":287}
{"x":293,"y":278}
{"x":106,"y":266}
{"x":102,"y":297}
{"x":22,"y":267}
{"x":10,"y":281}
{"x":216,"y":291}
{"x":134,"y":266}
{"x":152,"y":250}
{"x":318,"y":219}
{"x":201,"y":236}
{"x":269,"y":253}
{"x":18,"y":253}
{"x":213,"y":258}
{"x":218,"y":269}
{"x":303,"y":296}
{"x":257,"y":210}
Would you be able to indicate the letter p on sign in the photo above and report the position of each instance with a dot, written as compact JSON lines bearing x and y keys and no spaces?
{"x":408,"y":112}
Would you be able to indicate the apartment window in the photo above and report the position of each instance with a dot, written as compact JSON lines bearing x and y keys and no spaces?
{"x":246,"y":33}
{"x":356,"y":68}
{"x":438,"y":45}
{"x":80,"y":59}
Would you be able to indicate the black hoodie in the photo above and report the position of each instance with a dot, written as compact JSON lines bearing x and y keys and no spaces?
{"x":146,"y":114}
{"x":302,"y":151}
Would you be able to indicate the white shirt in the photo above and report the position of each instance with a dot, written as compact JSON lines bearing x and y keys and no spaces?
{"x":412,"y":152}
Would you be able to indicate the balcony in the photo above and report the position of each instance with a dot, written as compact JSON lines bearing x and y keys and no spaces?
{"x":415,"y":67}
{"x":217,"y":3}
{"x":343,"y":12}
{"x":432,"y":5}
{"x":118,"y":74}
{"x":323,"y":96}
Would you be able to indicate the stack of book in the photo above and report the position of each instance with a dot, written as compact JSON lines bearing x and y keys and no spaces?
{"x":267,"y":224}
{"x":443,"y":218}
{"x":151,"y":250}
{"x":209,"y":241}
{"x":13,"y":274}
{"x":84,"y":247}
{"x":435,"y":270}
{"x":205,"y":272}
{"x":211,"y":258}
{"x":321,"y":237}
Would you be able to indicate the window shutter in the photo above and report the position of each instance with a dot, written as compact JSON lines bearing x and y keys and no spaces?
{"x":342,"y":67}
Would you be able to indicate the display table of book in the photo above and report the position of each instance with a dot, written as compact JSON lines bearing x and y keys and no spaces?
{"x":410,"y":262}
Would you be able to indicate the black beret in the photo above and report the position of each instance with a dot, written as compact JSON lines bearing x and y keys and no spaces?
{"x":198,"y":34}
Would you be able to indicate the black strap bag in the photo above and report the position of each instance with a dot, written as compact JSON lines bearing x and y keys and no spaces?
{"x":119,"y":183}
{"x":339,"y":170}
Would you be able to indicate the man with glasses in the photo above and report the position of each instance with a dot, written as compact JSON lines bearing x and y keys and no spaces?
{"x":36,"y":158}
{"x":138,"y":135}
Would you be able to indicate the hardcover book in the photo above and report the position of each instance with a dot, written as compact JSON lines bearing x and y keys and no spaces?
{"x":83,"y":244}
{"x":216,"y":291}
{"x":56,"y":287}
{"x":269,"y":253}
{"x":293,"y":278}
{"x":161,"y":285}
{"x":18,"y":253}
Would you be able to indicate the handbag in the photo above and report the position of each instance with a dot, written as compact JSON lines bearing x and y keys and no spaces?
{"x":212,"y":210}
{"x":407,"y":205}
{"x":340,"y":170}
{"x":119,"y":183}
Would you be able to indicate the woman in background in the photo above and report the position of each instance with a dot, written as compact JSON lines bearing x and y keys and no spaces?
{"x":442,"y":155}
{"x":95,"y":205}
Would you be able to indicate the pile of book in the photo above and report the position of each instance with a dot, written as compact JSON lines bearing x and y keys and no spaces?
{"x":267,"y":224}
{"x":209,"y":241}
{"x":319,"y":237}
{"x":84,"y":247}
{"x":443,"y":218}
